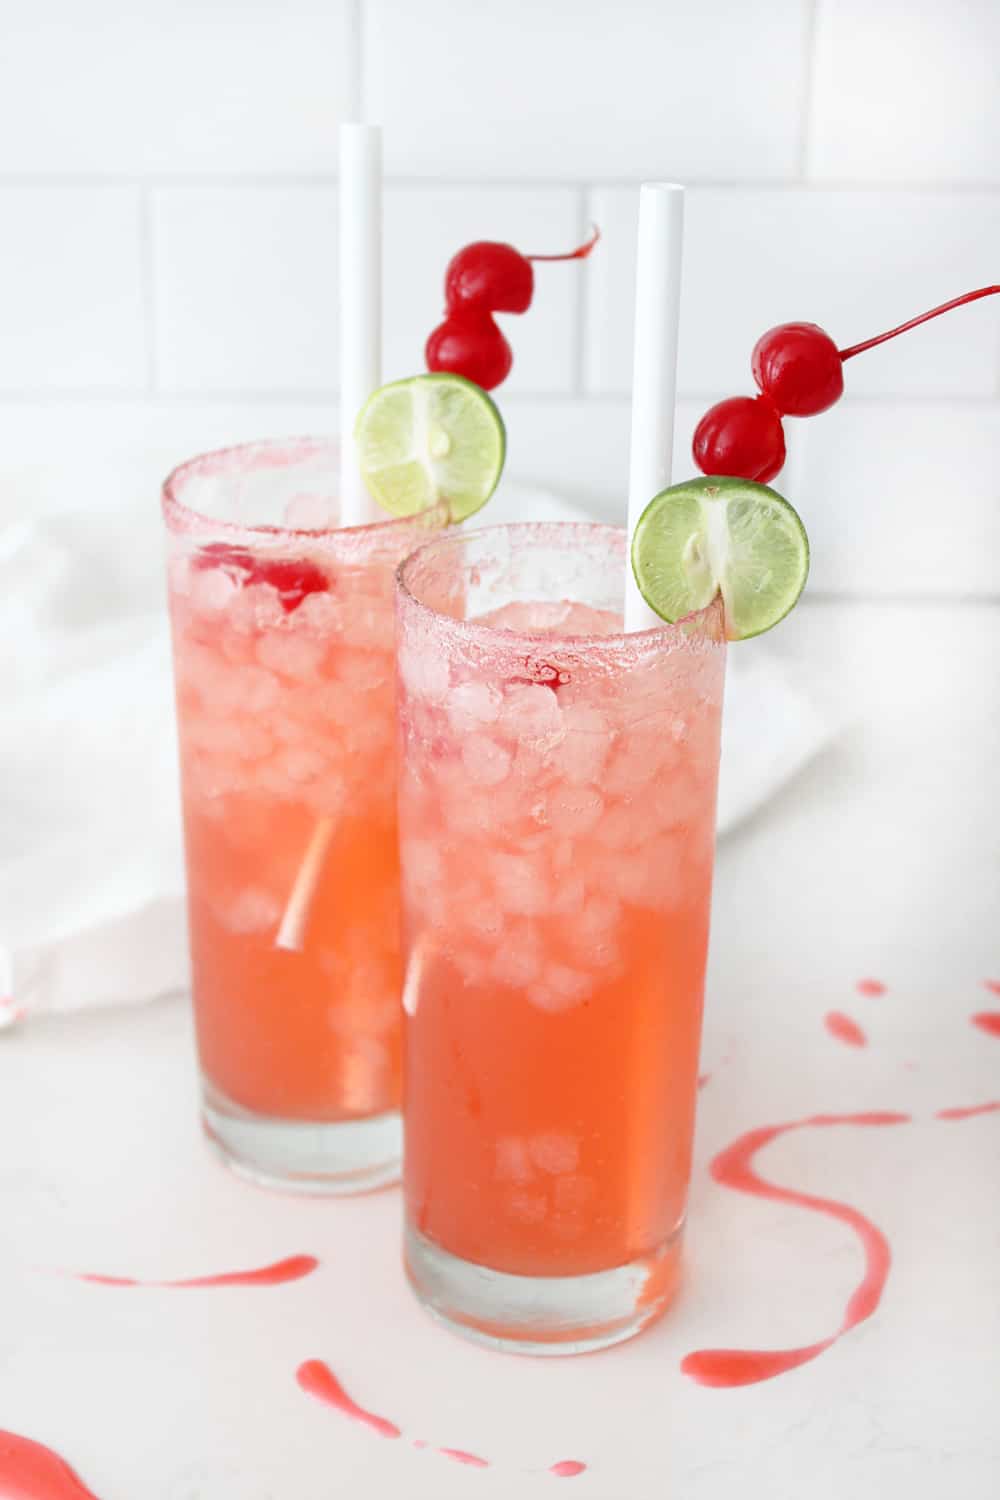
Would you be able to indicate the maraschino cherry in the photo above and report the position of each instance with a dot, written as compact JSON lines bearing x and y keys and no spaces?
{"x":799,"y":368}
{"x":469,"y":343}
{"x":489,"y":274}
{"x":742,"y":437}
{"x":799,"y":372}
{"x":484,"y":278}
{"x":293,"y":578}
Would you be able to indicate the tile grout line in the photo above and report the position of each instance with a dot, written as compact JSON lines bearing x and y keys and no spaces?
{"x":810,"y":64}
{"x":39,"y":181}
{"x":99,"y":395}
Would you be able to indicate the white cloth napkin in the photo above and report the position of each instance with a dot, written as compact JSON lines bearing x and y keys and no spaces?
{"x":90,"y":847}
{"x":91,"y":876}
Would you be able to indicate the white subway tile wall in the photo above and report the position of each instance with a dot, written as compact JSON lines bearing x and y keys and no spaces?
{"x":174,"y":86}
{"x":168,"y":254}
{"x":855,"y":262}
{"x":71,"y":292}
{"x":906,"y":91}
{"x":581,"y":89}
{"x":245,"y":288}
{"x":902,"y":497}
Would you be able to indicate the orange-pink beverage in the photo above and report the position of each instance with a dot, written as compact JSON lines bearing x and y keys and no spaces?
{"x":284,"y":662}
{"x":557,"y":812}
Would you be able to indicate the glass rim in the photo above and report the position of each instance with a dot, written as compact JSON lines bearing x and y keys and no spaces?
{"x":267,"y":453}
{"x":475,"y":629}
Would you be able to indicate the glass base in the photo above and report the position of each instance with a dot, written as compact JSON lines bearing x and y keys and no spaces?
{"x":542,"y":1314}
{"x":298,"y":1156}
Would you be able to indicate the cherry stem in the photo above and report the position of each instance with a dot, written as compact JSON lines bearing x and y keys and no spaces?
{"x":935,"y":312}
{"x":580,"y":253}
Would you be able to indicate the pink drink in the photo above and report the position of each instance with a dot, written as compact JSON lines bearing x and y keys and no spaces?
{"x":557,"y":829}
{"x":284,"y":662}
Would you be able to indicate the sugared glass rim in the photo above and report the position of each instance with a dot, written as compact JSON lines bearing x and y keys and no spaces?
{"x":477,"y":630}
{"x":262,"y":453}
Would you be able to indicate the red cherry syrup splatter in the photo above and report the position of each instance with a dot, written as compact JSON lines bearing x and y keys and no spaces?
{"x":30,"y":1471}
{"x":969,"y":1111}
{"x":798,"y":370}
{"x":993,"y":985}
{"x":293,"y":1268}
{"x":844,"y":1029}
{"x":293,"y":578}
{"x":871,"y":987}
{"x":317,"y":1379}
{"x":461,"y":1457}
{"x":484,"y":278}
{"x":733,"y":1168}
{"x":988,"y":1021}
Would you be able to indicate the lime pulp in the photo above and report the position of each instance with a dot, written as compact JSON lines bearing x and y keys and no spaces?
{"x":431,"y":439}
{"x":720,"y":535}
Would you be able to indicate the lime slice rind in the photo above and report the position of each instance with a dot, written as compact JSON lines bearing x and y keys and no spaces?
{"x":429,"y":439}
{"x":721,"y":535}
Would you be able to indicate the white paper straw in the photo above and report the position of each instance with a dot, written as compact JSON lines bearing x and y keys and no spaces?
{"x":360,"y":374}
{"x":292,"y":931}
{"x":360,"y":304}
{"x":654,"y":366}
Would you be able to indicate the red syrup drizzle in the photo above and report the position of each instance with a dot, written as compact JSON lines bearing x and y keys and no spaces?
{"x":733,"y":1168}
{"x":293,"y":1268}
{"x":844,"y":1029}
{"x":993,"y":985}
{"x":317,"y":1379}
{"x":988,"y":1021}
{"x":872,"y":987}
{"x":969,"y":1111}
{"x":30,"y":1471}
{"x":461,"y":1457}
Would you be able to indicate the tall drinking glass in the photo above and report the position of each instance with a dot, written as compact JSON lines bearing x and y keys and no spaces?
{"x":557,"y":809}
{"x":284,"y":665}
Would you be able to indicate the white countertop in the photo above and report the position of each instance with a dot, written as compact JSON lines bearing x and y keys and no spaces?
{"x":880,"y":861}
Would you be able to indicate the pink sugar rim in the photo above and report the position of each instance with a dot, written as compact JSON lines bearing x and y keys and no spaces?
{"x":501,"y":635}
{"x":246,"y":458}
